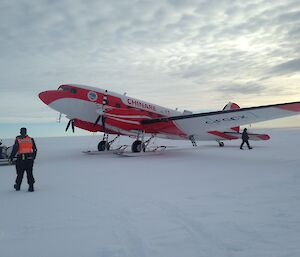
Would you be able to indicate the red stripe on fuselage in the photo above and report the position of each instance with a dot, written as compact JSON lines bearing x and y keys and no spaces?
{"x":90,"y":126}
{"x":262,"y":136}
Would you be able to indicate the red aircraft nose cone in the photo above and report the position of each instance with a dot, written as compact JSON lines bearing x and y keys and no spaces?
{"x":48,"y":96}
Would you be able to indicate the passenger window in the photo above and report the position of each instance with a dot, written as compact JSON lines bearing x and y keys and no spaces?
{"x":73,"y":90}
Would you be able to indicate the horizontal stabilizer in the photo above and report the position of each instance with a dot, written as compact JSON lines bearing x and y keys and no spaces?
{"x":252,"y":136}
{"x":235,"y":135}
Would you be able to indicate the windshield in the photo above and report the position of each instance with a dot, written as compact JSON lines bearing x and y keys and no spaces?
{"x":67,"y":88}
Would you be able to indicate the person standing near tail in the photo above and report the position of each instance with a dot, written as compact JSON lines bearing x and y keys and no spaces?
{"x":26,"y":151}
{"x":245,"y":138}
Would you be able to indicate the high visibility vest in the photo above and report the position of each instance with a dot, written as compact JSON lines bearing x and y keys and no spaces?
{"x":25,"y":145}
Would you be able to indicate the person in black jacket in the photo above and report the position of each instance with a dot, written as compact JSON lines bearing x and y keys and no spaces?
{"x":245,"y":138}
{"x":26,"y":151}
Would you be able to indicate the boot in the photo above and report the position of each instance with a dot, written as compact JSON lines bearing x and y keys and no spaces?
{"x":30,"y":189}
{"x":16,"y":187}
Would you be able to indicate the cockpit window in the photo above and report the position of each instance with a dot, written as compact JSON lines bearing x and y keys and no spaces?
{"x":68,"y":88}
{"x":64,"y":88}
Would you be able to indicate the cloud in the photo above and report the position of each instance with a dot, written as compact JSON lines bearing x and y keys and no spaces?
{"x":245,"y":89}
{"x":192,"y":47}
{"x":288,"y":67}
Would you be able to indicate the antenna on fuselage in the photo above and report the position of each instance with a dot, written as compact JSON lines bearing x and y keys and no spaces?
{"x":59,"y":117}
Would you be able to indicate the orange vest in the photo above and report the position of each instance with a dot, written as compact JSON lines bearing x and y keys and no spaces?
{"x":25,"y":145}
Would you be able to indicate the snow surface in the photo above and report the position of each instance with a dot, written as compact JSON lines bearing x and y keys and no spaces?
{"x":208,"y":201}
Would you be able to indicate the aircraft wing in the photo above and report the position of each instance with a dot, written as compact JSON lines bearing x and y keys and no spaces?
{"x":193,"y":124}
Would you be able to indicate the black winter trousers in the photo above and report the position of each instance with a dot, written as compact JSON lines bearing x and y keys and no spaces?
{"x":245,"y":141}
{"x":21,"y":167}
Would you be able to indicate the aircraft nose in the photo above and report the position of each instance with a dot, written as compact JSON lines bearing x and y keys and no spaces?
{"x":49,"y":96}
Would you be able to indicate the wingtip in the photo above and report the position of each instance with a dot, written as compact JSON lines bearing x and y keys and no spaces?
{"x":295,"y":107}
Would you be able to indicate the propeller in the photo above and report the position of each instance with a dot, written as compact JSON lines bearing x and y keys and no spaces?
{"x":103,"y":118}
{"x":97,"y":120}
{"x":102,"y":115}
{"x":71,"y":123}
{"x":103,"y":122}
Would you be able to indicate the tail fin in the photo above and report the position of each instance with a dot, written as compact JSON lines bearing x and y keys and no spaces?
{"x":232,"y":106}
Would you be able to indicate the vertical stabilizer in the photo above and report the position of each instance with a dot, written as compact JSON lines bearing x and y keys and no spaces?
{"x":232,"y":106}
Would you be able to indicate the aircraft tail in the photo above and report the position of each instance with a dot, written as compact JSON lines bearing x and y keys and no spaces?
{"x":232,"y":106}
{"x":234,"y":132}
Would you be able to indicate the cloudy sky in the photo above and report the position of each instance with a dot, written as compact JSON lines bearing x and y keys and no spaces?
{"x":196,"y":54}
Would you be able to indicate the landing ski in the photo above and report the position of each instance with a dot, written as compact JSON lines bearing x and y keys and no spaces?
{"x":155,"y":151}
{"x":111,"y":151}
{"x":6,"y":162}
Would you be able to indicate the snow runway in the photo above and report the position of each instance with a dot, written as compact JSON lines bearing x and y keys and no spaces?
{"x":208,"y":201}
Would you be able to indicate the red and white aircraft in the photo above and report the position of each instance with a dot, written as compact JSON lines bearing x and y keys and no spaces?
{"x":95,"y":109}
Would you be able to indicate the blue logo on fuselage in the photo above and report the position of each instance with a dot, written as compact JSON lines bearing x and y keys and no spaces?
{"x":92,"y":96}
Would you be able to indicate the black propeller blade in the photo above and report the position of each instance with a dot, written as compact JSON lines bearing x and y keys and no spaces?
{"x":103,"y":122}
{"x":73,"y":127}
{"x":70,"y":123}
{"x":103,"y":118}
{"x":97,"y":120}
